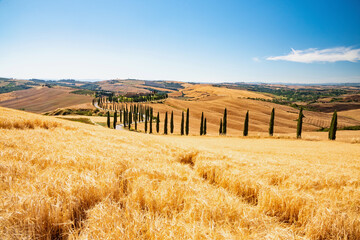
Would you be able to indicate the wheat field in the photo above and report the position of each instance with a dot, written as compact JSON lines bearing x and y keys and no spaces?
{"x":68,"y":180}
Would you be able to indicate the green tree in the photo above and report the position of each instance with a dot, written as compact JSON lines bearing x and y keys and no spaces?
{"x":204,"y":132}
{"x":224,"y":122}
{"x":115,"y":119}
{"x":172,"y":122}
{"x":166,"y":124}
{"x":124,"y":118}
{"x":221,"y":126}
{"x":130,"y":120}
{"x":108,"y":119}
{"x":202,"y":124}
{"x":187,"y":121}
{"x":146,"y":123}
{"x":158,"y":123}
{"x":299,"y":123}
{"x":271,"y":125}
{"x":182,"y":123}
{"x":246,"y":124}
{"x":333,"y":127}
{"x":135,"y":122}
{"x":151,"y":121}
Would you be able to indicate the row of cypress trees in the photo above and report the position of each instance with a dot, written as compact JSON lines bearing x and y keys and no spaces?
{"x":138,"y":113}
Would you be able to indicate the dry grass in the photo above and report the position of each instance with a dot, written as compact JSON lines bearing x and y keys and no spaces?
{"x":78,"y":181}
{"x":15,"y":120}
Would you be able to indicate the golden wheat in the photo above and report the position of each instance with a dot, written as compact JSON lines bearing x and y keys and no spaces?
{"x":77,"y":181}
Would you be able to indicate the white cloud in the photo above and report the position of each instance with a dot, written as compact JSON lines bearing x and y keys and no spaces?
{"x":325,"y":55}
{"x":256,"y":59}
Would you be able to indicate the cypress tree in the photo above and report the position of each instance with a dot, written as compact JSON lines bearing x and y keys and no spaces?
{"x":146,"y":114}
{"x":271,"y":126}
{"x":220,"y":128}
{"x":130,"y":118}
{"x":146,"y":124}
{"x":124,"y":118}
{"x":204,"y":130}
{"x":333,"y":127}
{"x":120,"y":113}
{"x":115,"y":119}
{"x":182,"y":124}
{"x":172,"y":122}
{"x":166,"y":124}
{"x":246,"y":124}
{"x":224,"y":122}
{"x":299,"y":124}
{"x":158,"y":123}
{"x":135,"y":121}
{"x":187,"y":121}
{"x":151,"y":120}
{"x":202,"y":124}
{"x":108,"y":119}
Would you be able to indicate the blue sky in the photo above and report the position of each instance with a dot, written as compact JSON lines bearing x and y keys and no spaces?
{"x":188,"y":40}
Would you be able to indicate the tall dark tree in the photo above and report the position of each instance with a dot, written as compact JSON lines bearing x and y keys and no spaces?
{"x":135,"y":122}
{"x":299,"y":123}
{"x":146,"y":114}
{"x":224,"y":122}
{"x":202,"y":124}
{"x":333,"y":127}
{"x":187,"y":121}
{"x":151,"y":121}
{"x":120,"y":114}
{"x":130,"y":120}
{"x":115,"y":119}
{"x":172,"y":122}
{"x":158,"y":123}
{"x":220,"y":128}
{"x":246,"y":124}
{"x":146,"y":123}
{"x":182,"y":123}
{"x":166,"y":124}
{"x":124,"y":118}
{"x":271,"y":125}
{"x":108,"y":119}
{"x":204,"y":131}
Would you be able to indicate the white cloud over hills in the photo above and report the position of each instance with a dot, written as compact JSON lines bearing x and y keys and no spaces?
{"x":325,"y":55}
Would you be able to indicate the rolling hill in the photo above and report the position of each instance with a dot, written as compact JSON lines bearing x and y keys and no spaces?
{"x":49,"y":96}
{"x":212,"y":101}
{"x":42,"y":99}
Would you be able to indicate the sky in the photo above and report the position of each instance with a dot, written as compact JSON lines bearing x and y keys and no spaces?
{"x":297,"y":41}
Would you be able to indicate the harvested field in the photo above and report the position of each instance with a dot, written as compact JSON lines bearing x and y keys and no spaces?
{"x":43,"y":99}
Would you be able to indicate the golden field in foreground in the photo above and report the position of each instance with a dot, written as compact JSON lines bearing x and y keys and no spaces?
{"x":69,"y":180}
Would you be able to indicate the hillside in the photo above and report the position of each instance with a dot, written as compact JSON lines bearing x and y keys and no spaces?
{"x":212,"y":101}
{"x":42,"y":99}
{"x":62,"y":179}
{"x":48,"y":96}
